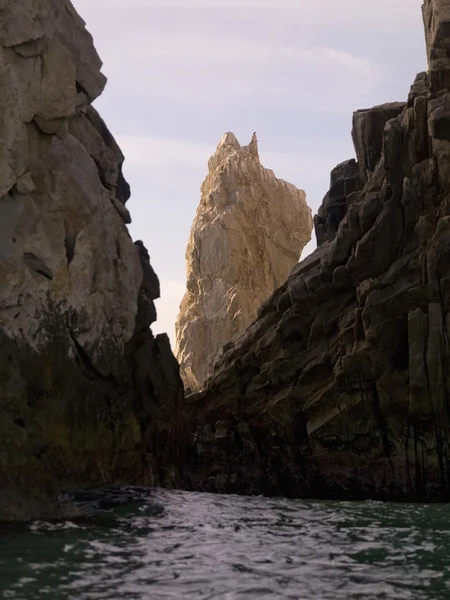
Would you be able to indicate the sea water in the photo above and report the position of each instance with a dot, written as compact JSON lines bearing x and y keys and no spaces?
{"x":139,"y":544}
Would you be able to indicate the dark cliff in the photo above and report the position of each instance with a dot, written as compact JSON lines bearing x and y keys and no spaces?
{"x":340,"y":388}
{"x":88,"y":396}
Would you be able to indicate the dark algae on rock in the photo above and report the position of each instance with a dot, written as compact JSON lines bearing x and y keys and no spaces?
{"x":88,"y":397}
{"x":340,"y":388}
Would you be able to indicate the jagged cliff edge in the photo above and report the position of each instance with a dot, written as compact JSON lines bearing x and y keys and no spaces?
{"x":88,"y":396}
{"x":341,"y":387}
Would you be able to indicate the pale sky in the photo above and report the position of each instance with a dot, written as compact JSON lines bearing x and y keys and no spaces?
{"x":183,"y":72}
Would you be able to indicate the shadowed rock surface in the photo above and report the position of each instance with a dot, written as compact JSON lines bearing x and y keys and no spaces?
{"x":340,"y":388}
{"x":87,"y":395}
{"x":345,"y":179}
{"x":248,"y":233}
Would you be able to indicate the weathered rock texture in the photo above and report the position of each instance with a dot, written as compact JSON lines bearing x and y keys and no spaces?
{"x":341,"y":388}
{"x":87,"y":395}
{"x":249,"y":232}
{"x":345,"y":179}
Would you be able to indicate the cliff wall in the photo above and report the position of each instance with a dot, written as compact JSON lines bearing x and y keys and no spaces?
{"x":341,"y":386}
{"x":87,"y":395}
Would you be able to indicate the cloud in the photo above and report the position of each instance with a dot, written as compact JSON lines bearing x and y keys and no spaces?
{"x":187,"y":49}
{"x":226,"y":73}
{"x":159,"y":152}
{"x":325,"y":8}
{"x":262,"y":53}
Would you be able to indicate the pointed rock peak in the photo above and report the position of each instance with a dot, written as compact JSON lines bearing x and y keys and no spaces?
{"x":248,"y":233}
{"x":230,"y":146}
{"x":227,"y":145}
{"x":229,"y":139}
{"x":253,"y":146}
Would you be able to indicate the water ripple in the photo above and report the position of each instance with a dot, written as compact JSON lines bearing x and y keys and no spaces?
{"x":156,"y":544}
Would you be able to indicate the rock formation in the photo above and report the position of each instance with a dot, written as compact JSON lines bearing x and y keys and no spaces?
{"x":341,"y":387}
{"x":87,"y":395}
{"x":248,"y":233}
{"x":345,"y":179}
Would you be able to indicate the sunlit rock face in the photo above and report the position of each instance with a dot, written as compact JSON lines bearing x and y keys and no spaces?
{"x":85,"y":389}
{"x":248,"y":233}
{"x":341,"y":387}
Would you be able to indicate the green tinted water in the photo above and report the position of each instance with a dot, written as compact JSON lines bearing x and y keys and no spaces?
{"x":154,"y":545}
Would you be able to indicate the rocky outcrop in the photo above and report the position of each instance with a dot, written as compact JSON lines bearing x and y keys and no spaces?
{"x":87,"y":395}
{"x":368,"y":134}
{"x":345,"y":179}
{"x":248,"y":233}
{"x":341,"y":387}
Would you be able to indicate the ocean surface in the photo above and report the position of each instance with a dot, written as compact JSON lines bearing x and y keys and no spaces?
{"x":138,"y":544}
